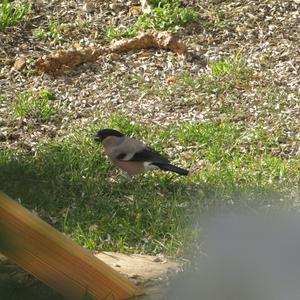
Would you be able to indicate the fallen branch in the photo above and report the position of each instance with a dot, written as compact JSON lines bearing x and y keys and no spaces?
{"x":57,"y":63}
{"x":153,"y":39}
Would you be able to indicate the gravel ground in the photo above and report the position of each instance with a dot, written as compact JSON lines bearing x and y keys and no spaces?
{"x":146,"y":86}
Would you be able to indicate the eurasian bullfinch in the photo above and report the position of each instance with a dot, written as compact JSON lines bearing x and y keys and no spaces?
{"x":133,"y":156}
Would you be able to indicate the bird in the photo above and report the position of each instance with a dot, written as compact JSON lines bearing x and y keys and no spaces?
{"x":133,"y":156}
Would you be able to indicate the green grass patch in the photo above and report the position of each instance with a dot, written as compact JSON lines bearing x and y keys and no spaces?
{"x":3,"y":99}
{"x":12,"y":14}
{"x":53,"y":31}
{"x":168,"y":15}
{"x":235,"y":66}
{"x":35,"y":105}
{"x":120,"y":32}
{"x":72,"y":186}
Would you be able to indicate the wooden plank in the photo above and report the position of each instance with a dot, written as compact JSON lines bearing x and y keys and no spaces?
{"x":55,"y":259}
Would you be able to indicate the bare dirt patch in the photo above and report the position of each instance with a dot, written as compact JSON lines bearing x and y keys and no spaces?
{"x":150,"y":273}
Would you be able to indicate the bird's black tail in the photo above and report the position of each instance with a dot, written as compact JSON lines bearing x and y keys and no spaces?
{"x":172,"y":168}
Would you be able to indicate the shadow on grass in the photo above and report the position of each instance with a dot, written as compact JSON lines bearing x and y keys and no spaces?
{"x":73,"y":188}
{"x":12,"y":289}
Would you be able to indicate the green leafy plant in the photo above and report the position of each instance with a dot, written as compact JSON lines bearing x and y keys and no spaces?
{"x":167,"y":15}
{"x":120,"y":32}
{"x":35,"y":105}
{"x":53,"y":31}
{"x":12,"y":14}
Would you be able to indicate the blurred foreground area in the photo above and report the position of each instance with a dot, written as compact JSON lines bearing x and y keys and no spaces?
{"x":16,"y":284}
{"x":249,"y":256}
{"x":245,"y":256}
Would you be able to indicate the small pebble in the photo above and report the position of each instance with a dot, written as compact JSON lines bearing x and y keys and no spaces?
{"x":117,"y":265}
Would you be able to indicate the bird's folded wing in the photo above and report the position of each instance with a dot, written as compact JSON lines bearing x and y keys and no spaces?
{"x":146,"y":154}
{"x":131,"y":150}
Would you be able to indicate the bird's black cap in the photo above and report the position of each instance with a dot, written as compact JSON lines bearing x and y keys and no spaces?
{"x":104,"y":133}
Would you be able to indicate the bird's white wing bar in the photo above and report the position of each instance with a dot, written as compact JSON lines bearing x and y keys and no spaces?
{"x":149,"y":165}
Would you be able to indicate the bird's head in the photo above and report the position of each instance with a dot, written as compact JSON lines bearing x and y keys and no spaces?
{"x":104,"y":133}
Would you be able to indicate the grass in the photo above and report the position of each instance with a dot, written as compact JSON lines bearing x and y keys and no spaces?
{"x":36,"y":105}
{"x":234,"y":66}
{"x":12,"y":14}
{"x":120,"y":32}
{"x":73,"y":187}
{"x":2,"y":99}
{"x":156,"y":3}
{"x":53,"y":31}
{"x":229,"y":74}
{"x":169,"y":15}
